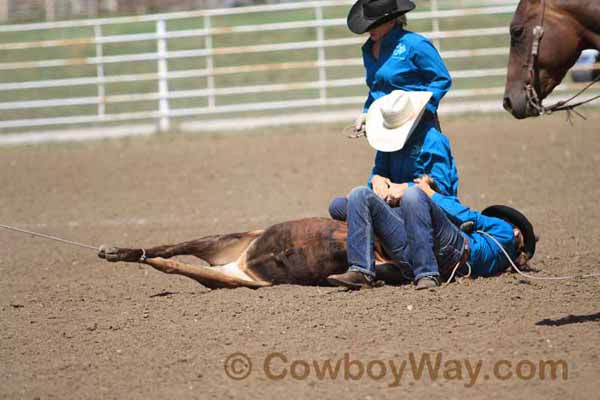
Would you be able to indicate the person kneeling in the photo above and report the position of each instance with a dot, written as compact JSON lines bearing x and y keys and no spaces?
{"x":424,"y":233}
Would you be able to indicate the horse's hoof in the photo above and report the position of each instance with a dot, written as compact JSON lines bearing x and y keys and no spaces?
{"x":109,"y":253}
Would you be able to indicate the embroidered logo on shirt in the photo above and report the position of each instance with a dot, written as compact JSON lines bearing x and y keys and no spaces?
{"x":399,"y":52}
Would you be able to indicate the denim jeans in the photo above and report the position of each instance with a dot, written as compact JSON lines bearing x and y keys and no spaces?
{"x":417,"y":232}
{"x":338,"y":208}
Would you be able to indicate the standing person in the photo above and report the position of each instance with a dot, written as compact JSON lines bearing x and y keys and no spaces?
{"x":395,"y":58}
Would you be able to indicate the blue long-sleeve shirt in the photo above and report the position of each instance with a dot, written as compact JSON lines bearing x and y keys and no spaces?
{"x":407,"y":61}
{"x":427,"y":151}
{"x":410,"y":62}
{"x":485,"y":258}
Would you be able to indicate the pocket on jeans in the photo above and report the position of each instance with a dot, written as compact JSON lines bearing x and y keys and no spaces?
{"x":448,"y":253}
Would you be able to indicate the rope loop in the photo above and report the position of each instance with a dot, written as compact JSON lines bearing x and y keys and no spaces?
{"x":143,"y":256}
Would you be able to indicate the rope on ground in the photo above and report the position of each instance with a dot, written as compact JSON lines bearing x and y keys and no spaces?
{"x":545,"y":278}
{"x":49,"y":237}
{"x":468,"y":275}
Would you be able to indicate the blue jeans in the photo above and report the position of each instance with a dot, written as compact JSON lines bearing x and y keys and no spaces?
{"x":417,"y":232}
{"x":338,"y":208}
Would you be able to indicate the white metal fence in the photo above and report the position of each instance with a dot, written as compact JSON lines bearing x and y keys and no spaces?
{"x":50,"y":10}
{"x":94,"y":72}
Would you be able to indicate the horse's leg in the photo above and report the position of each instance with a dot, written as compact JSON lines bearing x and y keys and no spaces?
{"x":209,"y":277}
{"x":216,"y":249}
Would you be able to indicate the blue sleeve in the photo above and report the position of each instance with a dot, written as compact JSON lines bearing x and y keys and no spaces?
{"x":381,"y":167}
{"x":438,"y":163}
{"x":460,"y":214}
{"x":455,"y":211}
{"x":368,"y":102}
{"x":431,"y":65}
{"x":498,"y":228}
{"x":368,"y":71}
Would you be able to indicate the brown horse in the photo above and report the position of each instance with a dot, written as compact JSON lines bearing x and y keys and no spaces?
{"x":301,"y":252}
{"x":547,"y":37}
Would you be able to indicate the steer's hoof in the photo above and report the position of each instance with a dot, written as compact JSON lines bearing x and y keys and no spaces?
{"x":109,"y":253}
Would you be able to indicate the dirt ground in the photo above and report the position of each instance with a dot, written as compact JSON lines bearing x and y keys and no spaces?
{"x":73,"y":326}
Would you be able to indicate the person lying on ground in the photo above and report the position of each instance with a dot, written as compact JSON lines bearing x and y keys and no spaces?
{"x":423,"y":232}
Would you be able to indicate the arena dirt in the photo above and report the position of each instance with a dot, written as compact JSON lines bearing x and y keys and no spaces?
{"x":73,"y":326}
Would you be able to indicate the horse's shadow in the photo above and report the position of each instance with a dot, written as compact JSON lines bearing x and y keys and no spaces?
{"x":570,"y":319}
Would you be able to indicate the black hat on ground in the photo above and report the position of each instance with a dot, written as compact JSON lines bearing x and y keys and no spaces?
{"x":516,"y":218}
{"x":367,"y":14}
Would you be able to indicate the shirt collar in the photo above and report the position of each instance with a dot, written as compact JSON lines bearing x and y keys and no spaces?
{"x":388,"y":40}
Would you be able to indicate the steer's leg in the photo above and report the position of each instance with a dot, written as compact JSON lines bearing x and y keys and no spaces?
{"x":209,"y":277}
{"x":216,"y":249}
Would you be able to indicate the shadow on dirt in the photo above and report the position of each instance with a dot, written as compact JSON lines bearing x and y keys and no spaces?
{"x":569,"y":319}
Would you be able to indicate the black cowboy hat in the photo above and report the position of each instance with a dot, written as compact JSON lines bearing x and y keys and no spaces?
{"x":516,"y":218}
{"x":367,"y":14}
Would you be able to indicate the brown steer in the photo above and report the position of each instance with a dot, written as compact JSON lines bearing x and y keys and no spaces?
{"x":301,"y":252}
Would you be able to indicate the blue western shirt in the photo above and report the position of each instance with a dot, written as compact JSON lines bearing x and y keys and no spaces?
{"x":410,"y":62}
{"x":427,"y":151}
{"x":485,"y":258}
{"x":407,"y":61}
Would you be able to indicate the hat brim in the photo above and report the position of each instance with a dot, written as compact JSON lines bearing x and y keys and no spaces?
{"x":358,"y":23}
{"x":519,"y":220}
{"x":388,"y":140}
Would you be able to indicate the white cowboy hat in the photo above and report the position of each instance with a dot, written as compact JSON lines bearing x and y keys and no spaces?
{"x":392,"y":118}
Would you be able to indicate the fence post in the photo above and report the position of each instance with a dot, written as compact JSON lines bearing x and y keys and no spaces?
{"x":435,"y":23}
{"x":163,"y":78}
{"x":100,"y":72}
{"x":321,"y":54}
{"x":210,"y":63}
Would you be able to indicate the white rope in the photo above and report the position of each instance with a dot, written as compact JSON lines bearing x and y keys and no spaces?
{"x":42,"y":235}
{"x":143,"y":256}
{"x":468,"y":275}
{"x":547,"y":278}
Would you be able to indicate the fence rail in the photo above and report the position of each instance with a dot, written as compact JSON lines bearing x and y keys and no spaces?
{"x":28,"y":87}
